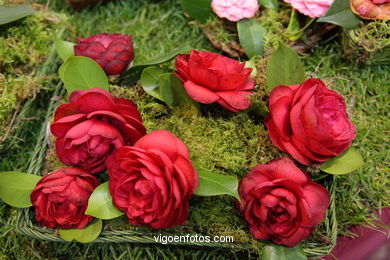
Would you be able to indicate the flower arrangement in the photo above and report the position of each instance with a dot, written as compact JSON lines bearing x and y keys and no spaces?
{"x":151,"y":176}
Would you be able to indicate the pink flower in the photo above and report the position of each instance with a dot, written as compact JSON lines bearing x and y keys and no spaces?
{"x":235,"y":10}
{"x":312,"y":8}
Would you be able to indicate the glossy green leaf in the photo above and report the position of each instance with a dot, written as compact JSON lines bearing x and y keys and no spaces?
{"x":100,"y":204}
{"x":85,"y":235}
{"x":80,"y":72}
{"x":12,"y":13}
{"x":273,"y":4}
{"x":250,"y":34}
{"x":211,"y":184}
{"x":340,"y":13}
{"x":16,"y":187}
{"x":64,"y":49}
{"x":173,"y":93}
{"x":161,"y":59}
{"x":347,"y":162}
{"x":150,"y":80}
{"x":197,"y":9}
{"x":284,"y":68}
{"x":278,"y":252}
{"x":165,"y":86}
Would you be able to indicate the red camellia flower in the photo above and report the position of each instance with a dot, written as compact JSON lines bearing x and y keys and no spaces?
{"x":309,"y":122}
{"x":113,"y":52}
{"x":153,"y":180}
{"x":280,"y":203}
{"x":92,"y":125}
{"x":209,"y":77}
{"x":61,"y":198}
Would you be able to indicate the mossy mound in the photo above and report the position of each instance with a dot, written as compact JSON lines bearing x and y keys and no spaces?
{"x":369,"y":43}
{"x":24,"y":47}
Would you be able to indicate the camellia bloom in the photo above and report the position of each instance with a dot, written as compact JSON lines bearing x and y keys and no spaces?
{"x":92,"y":125}
{"x":280,"y":203}
{"x":309,"y":122}
{"x":113,"y":52}
{"x":209,"y":77}
{"x":153,"y":180}
{"x":235,"y":10}
{"x":371,"y":9}
{"x":61,"y":198}
{"x":312,"y":8}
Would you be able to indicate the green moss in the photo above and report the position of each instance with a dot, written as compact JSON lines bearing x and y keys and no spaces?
{"x":274,"y":23}
{"x":369,"y":43}
{"x":223,"y":34}
{"x":24,"y":46}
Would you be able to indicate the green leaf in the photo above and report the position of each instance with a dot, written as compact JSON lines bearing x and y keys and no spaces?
{"x":166,"y":89}
{"x":284,"y":68}
{"x":250,"y":34}
{"x":273,"y":4}
{"x":173,"y":93}
{"x":12,"y":13}
{"x":64,"y":49}
{"x":278,"y":252}
{"x":80,"y":72}
{"x":340,"y":13}
{"x":197,"y":9}
{"x":161,"y":59}
{"x":100,"y":204}
{"x":85,"y":235}
{"x":150,"y":80}
{"x":211,"y":184}
{"x":347,"y":162}
{"x":16,"y":187}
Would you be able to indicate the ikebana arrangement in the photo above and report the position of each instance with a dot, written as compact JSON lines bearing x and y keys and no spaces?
{"x":150,"y":176}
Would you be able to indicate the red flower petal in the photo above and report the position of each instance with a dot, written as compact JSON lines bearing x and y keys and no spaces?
{"x":317,"y":198}
{"x":90,"y":100}
{"x":199,"y":93}
{"x":164,"y":141}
